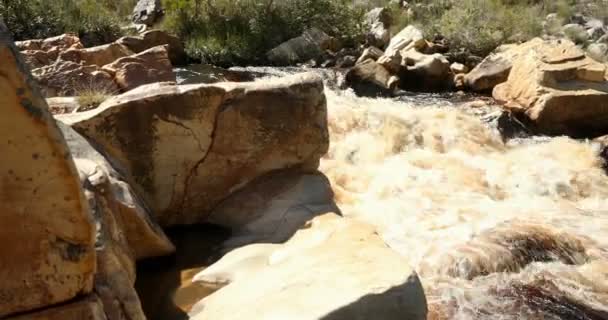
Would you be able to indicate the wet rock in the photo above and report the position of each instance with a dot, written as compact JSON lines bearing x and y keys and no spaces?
{"x":346,"y":62}
{"x":334,"y":268}
{"x":66,"y":78}
{"x":458,"y":68}
{"x":558,"y":89}
{"x":310,"y":45}
{"x":147,"y":12}
{"x":370,"y":78}
{"x":47,"y":232}
{"x":206,"y":73}
{"x":154,"y":38}
{"x":372,"y":53}
{"x":149,"y":66}
{"x":425,"y":71}
{"x":189,"y":147}
{"x":98,"y":56}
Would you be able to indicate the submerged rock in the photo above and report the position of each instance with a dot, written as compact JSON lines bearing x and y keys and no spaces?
{"x":370,"y":78}
{"x":558,"y":89}
{"x":189,"y":147}
{"x":335,"y":268}
{"x":47,"y":231}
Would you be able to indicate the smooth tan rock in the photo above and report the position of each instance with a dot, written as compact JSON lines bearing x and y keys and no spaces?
{"x":47,"y":233}
{"x":335,"y":268}
{"x":408,"y":38}
{"x":149,"y":66}
{"x":89,"y":308}
{"x":146,"y":239}
{"x":99,"y":55}
{"x":66,"y":78}
{"x":370,"y":78}
{"x":189,"y":147}
{"x":61,"y":42}
{"x":273,"y":207}
{"x":370,"y":53}
{"x":495,"y":68}
{"x":115,"y":274}
{"x":154,"y":38}
{"x":558,"y":89}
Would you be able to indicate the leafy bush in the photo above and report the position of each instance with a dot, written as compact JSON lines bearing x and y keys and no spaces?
{"x":227,"y":32}
{"x":96,"y":22}
{"x":482,"y":25}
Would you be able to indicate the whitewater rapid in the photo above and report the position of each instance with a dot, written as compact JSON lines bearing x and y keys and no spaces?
{"x":496,"y":229}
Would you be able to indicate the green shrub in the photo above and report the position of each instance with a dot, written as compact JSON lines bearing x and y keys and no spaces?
{"x":96,"y":22}
{"x":227,"y":32}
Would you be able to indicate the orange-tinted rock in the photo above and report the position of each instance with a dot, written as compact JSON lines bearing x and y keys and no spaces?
{"x":47,"y":232}
{"x":149,"y":66}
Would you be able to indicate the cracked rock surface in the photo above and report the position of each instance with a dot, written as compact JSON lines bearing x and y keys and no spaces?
{"x":186,"y":148}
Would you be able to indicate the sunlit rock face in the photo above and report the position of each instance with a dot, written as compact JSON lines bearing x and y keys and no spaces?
{"x":334,"y":268}
{"x":558,"y":89}
{"x":47,"y":232}
{"x":189,"y":147}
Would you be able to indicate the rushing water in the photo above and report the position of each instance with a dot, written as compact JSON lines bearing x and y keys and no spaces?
{"x":496,"y":229}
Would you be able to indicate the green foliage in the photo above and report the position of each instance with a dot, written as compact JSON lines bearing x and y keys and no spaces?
{"x":228,"y":32}
{"x":94,"y":21}
{"x":478,"y":26}
{"x":482,"y":25}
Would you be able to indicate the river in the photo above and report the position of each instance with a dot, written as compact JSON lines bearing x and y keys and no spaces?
{"x":496,"y":228}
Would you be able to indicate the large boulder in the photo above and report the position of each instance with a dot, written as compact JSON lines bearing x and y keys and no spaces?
{"x":407,"y":39}
{"x":188,"y":147}
{"x":495,"y":68}
{"x":154,"y":38}
{"x":147,"y":12}
{"x":379,"y":22}
{"x":99,"y":55}
{"x":67,"y":78}
{"x":47,"y":231}
{"x":370,"y":78}
{"x":310,"y":45}
{"x":425,"y":71}
{"x":558,"y":90}
{"x":149,"y":66}
{"x":335,"y":268}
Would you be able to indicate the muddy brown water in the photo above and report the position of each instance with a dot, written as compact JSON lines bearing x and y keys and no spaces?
{"x":165,"y":284}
